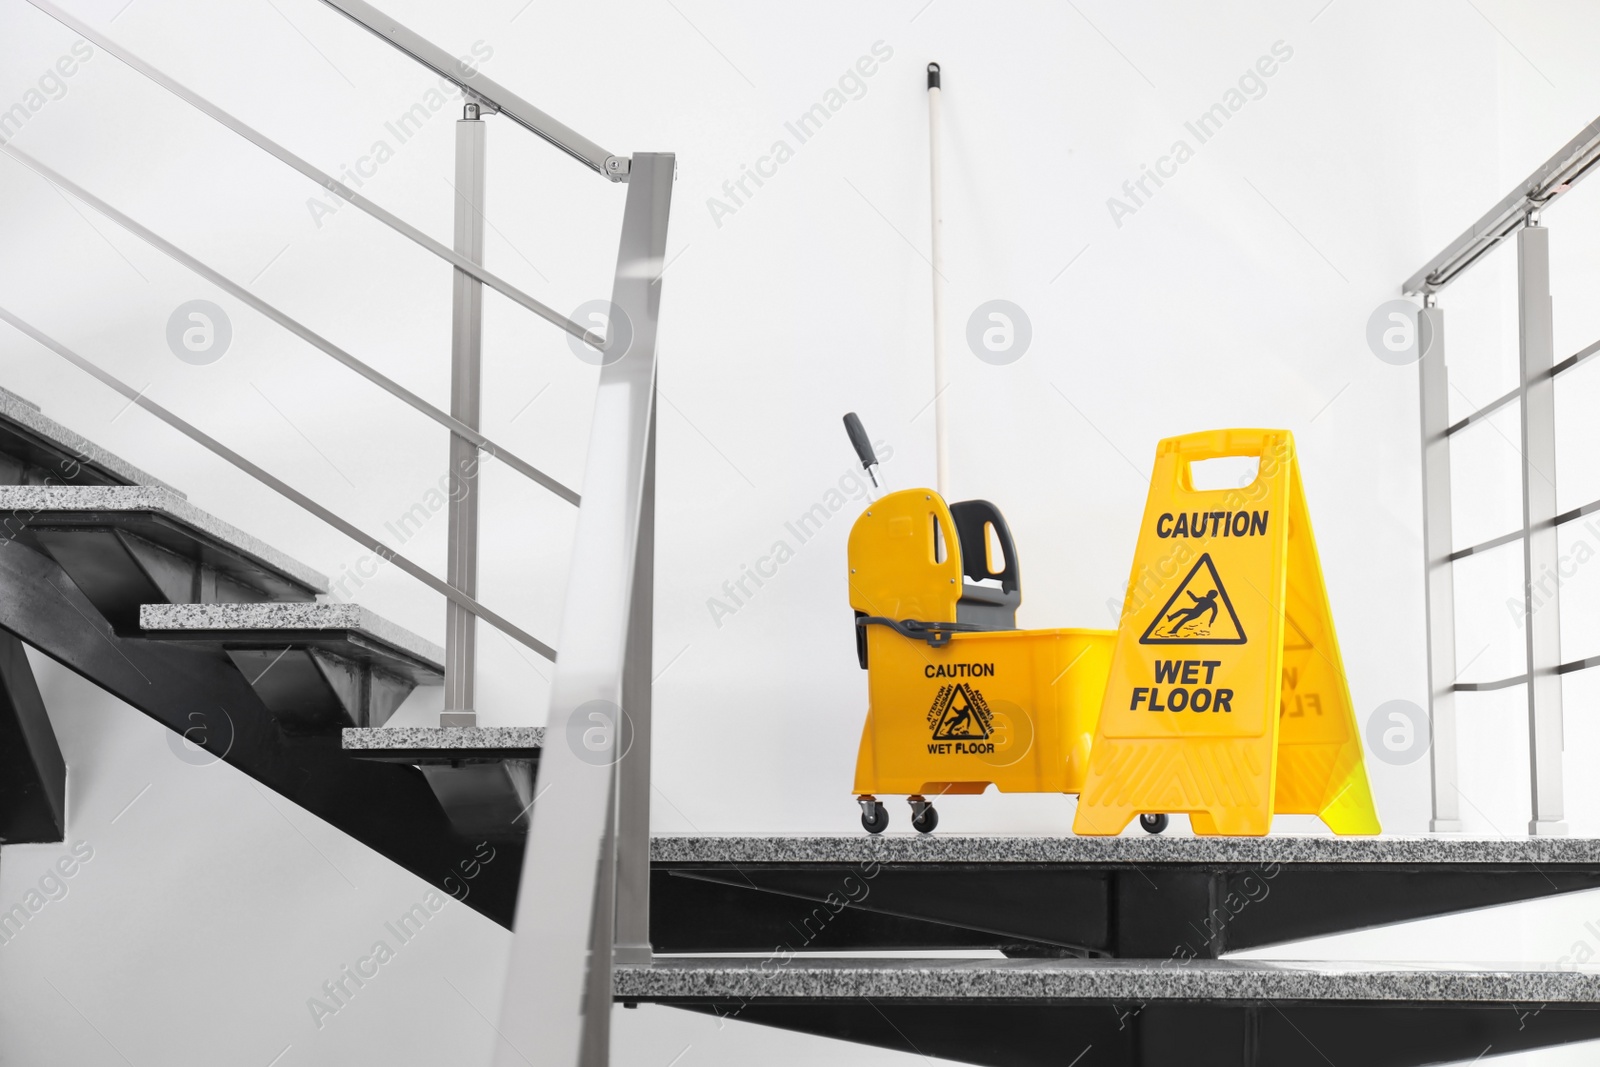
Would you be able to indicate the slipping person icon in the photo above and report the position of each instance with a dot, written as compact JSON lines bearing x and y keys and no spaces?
{"x":1185,"y":616}
{"x":960,"y":721}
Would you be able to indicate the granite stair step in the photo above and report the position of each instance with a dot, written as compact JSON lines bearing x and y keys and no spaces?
{"x":444,"y":744}
{"x":312,"y":664}
{"x":37,"y":450}
{"x":482,"y":775}
{"x":128,"y":546}
{"x":1139,"y":1013}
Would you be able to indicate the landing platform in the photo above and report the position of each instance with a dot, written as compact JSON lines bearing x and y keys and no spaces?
{"x":1132,"y":897}
{"x":1140,"y":848}
{"x":1141,"y":1013}
{"x":813,"y":978}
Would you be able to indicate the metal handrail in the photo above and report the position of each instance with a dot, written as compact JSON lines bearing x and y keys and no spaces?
{"x":493,"y":95}
{"x":194,"y":433}
{"x":327,"y":181}
{"x":1554,"y":177}
{"x":305,"y":333}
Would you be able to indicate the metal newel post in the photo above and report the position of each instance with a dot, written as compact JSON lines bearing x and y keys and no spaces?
{"x":558,"y":985}
{"x":1438,"y":583}
{"x":633,"y":784}
{"x":1542,"y":618}
{"x":466,"y":351}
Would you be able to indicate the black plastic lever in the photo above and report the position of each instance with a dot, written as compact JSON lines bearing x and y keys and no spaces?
{"x":860,"y":442}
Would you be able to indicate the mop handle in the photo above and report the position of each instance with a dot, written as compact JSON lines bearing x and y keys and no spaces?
{"x":941,"y":422}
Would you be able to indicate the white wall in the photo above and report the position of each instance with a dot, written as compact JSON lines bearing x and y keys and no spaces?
{"x":1237,"y":295}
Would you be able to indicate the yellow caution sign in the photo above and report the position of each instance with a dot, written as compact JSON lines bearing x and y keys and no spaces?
{"x":1227,"y":697}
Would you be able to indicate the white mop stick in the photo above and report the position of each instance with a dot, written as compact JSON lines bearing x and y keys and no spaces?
{"x":941,"y":425}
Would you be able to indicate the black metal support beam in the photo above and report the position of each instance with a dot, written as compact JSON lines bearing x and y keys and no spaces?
{"x":1171,"y":1033}
{"x":1154,"y":911}
{"x":33,"y":776}
{"x":196,"y":691}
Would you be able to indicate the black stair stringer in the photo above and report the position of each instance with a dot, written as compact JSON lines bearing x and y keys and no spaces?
{"x":33,"y":776}
{"x":199,"y":693}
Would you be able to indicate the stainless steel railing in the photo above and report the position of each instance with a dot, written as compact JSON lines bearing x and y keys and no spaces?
{"x":585,"y":885}
{"x":288,"y":322}
{"x":327,"y":181}
{"x":194,"y":433}
{"x":1519,"y":215}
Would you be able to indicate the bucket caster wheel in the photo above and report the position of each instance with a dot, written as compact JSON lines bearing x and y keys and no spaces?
{"x":874,"y":816}
{"x":923,"y":816}
{"x":1153,"y":824}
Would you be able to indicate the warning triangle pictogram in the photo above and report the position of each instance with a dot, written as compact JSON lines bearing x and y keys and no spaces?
{"x":959,"y":717}
{"x":1198,"y":612}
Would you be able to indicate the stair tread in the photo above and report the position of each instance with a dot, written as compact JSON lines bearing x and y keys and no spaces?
{"x":28,"y":415}
{"x":981,"y":848}
{"x":39,"y":500}
{"x":296,"y":616}
{"x":806,"y":977}
{"x":440,"y":738}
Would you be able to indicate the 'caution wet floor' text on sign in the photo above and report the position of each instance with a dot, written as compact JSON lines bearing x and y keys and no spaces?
{"x":1227,"y":697}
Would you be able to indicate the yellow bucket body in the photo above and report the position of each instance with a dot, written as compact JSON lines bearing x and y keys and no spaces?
{"x":1015,"y":709}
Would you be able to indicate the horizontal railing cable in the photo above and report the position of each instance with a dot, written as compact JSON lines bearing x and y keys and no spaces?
{"x":362,"y":538}
{"x":1573,"y":360}
{"x":327,"y":181}
{"x":305,"y":333}
{"x":1482,"y":413}
{"x":1569,"y":667}
{"x":1578,"y":357}
{"x":1489,"y":687}
{"x":1562,"y":519}
{"x":1484,"y":546}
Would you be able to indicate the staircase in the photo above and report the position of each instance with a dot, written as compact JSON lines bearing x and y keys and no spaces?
{"x":223,"y":640}
{"x":1106,"y":949}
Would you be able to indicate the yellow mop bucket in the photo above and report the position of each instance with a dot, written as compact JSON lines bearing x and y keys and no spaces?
{"x":959,"y":699}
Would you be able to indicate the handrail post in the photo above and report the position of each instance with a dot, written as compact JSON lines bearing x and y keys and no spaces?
{"x":1438,"y":580}
{"x":466,"y":355}
{"x":1540,"y":549}
{"x":633,"y":784}
{"x":557,"y":1003}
